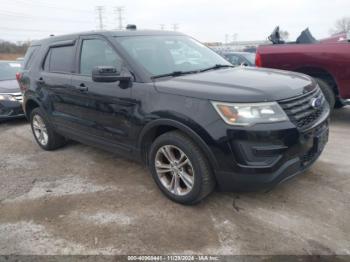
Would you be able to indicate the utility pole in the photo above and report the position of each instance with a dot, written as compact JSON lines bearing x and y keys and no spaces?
{"x":234,"y":37}
{"x":162,"y":26}
{"x":100,"y":10}
{"x":118,"y":10}
{"x":175,"y":27}
{"x":226,"y":39}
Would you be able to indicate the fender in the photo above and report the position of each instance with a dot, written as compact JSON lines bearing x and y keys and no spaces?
{"x":202,"y":141}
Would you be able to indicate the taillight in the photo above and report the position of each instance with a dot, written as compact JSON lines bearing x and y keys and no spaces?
{"x":258,"y":61}
{"x":18,"y":76}
{"x":20,"y":82}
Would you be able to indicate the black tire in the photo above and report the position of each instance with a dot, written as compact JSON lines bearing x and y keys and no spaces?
{"x":339,"y":103}
{"x":54,"y":140}
{"x":204,"y":181}
{"x":327,"y":92}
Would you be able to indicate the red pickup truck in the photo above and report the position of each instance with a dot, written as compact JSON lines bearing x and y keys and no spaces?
{"x":328,"y":61}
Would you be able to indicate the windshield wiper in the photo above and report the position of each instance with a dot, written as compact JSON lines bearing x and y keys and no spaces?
{"x":175,"y":73}
{"x":217,"y":66}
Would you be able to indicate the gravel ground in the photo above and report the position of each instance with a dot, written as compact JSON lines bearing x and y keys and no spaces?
{"x":82,"y":200}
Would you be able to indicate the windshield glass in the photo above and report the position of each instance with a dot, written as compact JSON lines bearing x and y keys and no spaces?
{"x":8,"y":70}
{"x":166,"y":54}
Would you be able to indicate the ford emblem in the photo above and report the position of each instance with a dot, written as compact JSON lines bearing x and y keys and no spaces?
{"x":316,"y":103}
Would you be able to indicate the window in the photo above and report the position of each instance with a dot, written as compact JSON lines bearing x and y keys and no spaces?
{"x":166,"y":54}
{"x":29,"y":56}
{"x":59,"y":59}
{"x":96,"y":52}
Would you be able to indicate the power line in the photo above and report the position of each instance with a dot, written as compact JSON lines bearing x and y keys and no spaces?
{"x":27,"y":30}
{"x":49,"y":6}
{"x":100,"y":11}
{"x":32,"y":17}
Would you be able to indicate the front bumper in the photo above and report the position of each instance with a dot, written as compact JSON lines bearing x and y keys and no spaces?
{"x":10,"y":109}
{"x":264,"y":156}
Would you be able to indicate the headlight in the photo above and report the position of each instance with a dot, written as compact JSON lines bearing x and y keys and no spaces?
{"x":247,"y":114}
{"x":7,"y":97}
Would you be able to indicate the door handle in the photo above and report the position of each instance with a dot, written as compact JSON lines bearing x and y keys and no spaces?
{"x":82,"y":87}
{"x":41,"y":81}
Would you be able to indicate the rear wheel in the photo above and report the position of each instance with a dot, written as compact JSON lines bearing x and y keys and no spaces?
{"x":327,"y":92}
{"x":180,"y":168}
{"x":43,"y":133}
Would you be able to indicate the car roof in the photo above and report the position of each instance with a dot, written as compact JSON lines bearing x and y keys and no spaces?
{"x":106,"y":33}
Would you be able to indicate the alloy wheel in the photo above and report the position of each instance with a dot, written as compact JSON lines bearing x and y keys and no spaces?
{"x":40,"y":130}
{"x":174,"y":170}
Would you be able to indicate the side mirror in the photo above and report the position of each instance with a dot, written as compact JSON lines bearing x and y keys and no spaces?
{"x":348,"y":36}
{"x":107,"y":74}
{"x":244,"y":64}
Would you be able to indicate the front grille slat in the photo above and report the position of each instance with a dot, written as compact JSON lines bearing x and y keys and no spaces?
{"x":300,"y":110}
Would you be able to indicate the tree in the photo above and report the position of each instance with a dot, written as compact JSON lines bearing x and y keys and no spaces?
{"x":341,"y":26}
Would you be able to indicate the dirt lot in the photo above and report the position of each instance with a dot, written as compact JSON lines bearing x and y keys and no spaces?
{"x":81,"y":200}
{"x":10,"y":56}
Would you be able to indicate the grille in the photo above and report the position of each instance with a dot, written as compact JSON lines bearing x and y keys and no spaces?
{"x":300,"y":111}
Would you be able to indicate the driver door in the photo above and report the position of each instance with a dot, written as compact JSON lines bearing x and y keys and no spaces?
{"x":105,"y":109}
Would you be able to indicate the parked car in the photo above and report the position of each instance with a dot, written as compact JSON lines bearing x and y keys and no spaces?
{"x":328,"y":61}
{"x":239,"y":58}
{"x":195,"y":123}
{"x":10,"y":95}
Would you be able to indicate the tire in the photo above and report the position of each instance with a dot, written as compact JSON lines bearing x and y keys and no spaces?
{"x":327,"y":92}
{"x":201,"y":176}
{"x":49,"y":139}
{"x":339,"y":103}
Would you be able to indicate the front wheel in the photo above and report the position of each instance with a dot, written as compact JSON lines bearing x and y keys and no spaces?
{"x":180,"y":168}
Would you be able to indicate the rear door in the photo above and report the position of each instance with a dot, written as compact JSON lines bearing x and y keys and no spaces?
{"x":56,"y":82}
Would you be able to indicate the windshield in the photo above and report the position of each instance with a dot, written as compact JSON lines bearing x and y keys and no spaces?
{"x":166,"y":54}
{"x":8,"y":70}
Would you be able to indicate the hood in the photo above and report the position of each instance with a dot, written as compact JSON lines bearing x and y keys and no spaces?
{"x":9,"y":86}
{"x":239,"y":84}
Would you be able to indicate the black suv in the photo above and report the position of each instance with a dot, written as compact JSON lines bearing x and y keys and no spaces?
{"x":170,"y":102}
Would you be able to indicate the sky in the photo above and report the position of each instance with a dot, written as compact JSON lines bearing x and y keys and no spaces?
{"x":206,"y":20}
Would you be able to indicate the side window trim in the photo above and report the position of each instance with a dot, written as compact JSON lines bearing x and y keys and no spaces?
{"x":48,"y":55}
{"x":80,"y":48}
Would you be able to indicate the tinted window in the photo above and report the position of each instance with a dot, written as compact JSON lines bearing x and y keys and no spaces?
{"x":29,"y":56}
{"x":250,"y":57}
{"x":235,"y":59}
{"x":96,"y":52}
{"x":59,"y":59}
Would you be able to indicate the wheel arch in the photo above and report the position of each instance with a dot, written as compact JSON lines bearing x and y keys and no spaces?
{"x":321,"y":73}
{"x":158,"y":127}
{"x":31,"y":103}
